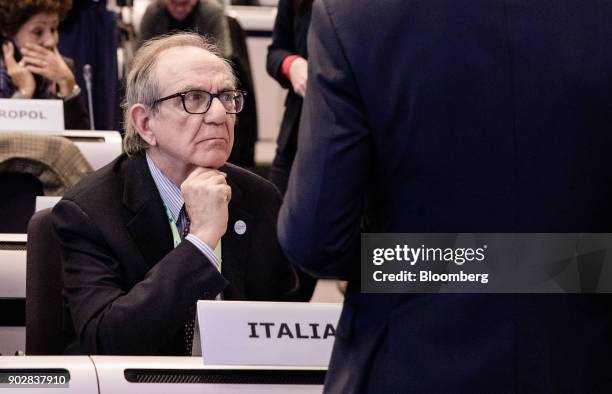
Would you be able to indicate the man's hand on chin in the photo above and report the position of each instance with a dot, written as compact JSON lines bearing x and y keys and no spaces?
{"x":207,"y":195}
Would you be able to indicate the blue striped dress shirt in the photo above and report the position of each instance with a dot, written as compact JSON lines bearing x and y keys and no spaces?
{"x":173,"y":198}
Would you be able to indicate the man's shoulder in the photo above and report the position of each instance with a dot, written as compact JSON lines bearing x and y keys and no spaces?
{"x":253,"y":188}
{"x":101,"y":182}
{"x":248,"y":180}
{"x":343,"y":14}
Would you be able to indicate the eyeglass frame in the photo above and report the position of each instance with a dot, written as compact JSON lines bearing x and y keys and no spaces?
{"x":212,"y":97}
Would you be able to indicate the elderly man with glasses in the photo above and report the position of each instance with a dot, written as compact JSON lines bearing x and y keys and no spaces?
{"x":169,"y":222}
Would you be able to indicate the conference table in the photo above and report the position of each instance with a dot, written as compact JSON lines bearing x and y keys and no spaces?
{"x":135,"y":374}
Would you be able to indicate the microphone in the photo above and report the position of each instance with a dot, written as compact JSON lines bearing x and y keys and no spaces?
{"x":87,"y":77}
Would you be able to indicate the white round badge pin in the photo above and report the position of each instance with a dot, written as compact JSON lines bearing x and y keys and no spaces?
{"x":240,"y":227}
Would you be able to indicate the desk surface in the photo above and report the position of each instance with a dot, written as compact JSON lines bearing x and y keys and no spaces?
{"x":177,"y":375}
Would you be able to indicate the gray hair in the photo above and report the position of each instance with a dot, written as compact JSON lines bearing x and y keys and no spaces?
{"x":142,"y":86}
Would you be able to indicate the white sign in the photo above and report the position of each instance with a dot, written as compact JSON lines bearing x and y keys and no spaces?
{"x":31,"y":115}
{"x":44,"y":202}
{"x":267,"y":333}
{"x":99,"y":147}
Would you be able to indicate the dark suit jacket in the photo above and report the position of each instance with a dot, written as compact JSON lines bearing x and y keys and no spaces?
{"x":288,"y":38}
{"x":126,"y":290}
{"x":456,"y":116}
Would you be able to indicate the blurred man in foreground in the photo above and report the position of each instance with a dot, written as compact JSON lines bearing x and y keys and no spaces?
{"x":446,"y":116}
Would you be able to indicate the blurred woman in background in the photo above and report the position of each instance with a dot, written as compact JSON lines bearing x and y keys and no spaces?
{"x":31,"y":65}
{"x":287,"y":63}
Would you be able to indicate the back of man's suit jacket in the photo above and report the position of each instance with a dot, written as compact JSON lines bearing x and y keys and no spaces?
{"x":456,"y":116}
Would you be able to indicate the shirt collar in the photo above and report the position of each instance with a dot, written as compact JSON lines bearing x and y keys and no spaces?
{"x":170,"y":193}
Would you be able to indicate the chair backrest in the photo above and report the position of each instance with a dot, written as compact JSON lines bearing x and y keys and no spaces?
{"x":18,"y":193}
{"x":56,"y":161}
{"x":44,"y":283}
{"x":243,"y":153}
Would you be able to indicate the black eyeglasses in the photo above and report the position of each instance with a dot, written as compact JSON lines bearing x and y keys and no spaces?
{"x":199,"y":101}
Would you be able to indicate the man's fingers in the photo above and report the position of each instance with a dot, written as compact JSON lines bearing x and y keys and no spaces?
{"x":217,"y":179}
{"x":228,"y":193}
{"x":198,"y":184}
{"x":204,"y":173}
{"x":9,"y":54}
{"x":224,"y":192}
{"x":199,"y":171}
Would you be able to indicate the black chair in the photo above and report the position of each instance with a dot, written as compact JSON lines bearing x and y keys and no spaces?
{"x":44,"y":283}
{"x":243,"y":154}
{"x":18,"y":193}
{"x":31,"y":165}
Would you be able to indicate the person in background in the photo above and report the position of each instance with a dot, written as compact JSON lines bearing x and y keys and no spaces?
{"x":201,"y":16}
{"x":287,"y":63}
{"x":31,"y":65}
{"x":89,"y":36}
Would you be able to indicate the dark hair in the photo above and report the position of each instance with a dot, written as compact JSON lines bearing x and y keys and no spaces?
{"x":302,"y":7}
{"x":14,"y":13}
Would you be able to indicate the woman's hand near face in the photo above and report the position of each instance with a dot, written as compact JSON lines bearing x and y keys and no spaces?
{"x":21,"y":77}
{"x":49,"y":64}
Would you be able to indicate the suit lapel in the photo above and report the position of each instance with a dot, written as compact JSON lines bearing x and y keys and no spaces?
{"x":149,"y":226}
{"x":236,"y":247}
{"x":151,"y":232}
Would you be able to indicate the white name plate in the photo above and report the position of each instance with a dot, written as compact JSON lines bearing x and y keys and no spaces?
{"x":267,"y":333}
{"x":44,"y":202}
{"x":31,"y":115}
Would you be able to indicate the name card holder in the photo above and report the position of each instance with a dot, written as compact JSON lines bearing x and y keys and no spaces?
{"x":31,"y":115}
{"x":44,"y":202}
{"x":295,"y":334}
